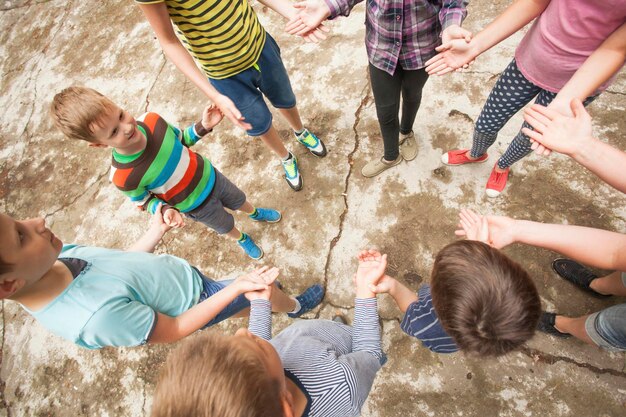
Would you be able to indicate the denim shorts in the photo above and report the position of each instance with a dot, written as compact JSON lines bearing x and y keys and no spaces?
{"x":246,"y":89}
{"x":210,"y":287}
{"x":607,"y":328}
{"x":211,"y":212}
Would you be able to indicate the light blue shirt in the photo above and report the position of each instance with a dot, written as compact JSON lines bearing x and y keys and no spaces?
{"x":114,"y":300}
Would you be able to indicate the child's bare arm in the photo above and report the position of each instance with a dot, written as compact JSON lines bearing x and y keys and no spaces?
{"x":572,"y":136}
{"x":594,"y":247}
{"x":158,"y":17}
{"x":170,"y":329}
{"x":402,"y":295}
{"x":154,"y":234}
{"x":457,"y":53}
{"x":601,"y":65}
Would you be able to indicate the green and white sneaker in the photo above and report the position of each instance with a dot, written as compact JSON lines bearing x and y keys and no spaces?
{"x":292,"y":173}
{"x":312,"y":142}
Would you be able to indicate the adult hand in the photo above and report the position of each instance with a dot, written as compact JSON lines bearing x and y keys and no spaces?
{"x":474,"y":225}
{"x":554,"y":131}
{"x":310,"y":16}
{"x":230,"y":111}
{"x":453,"y":55}
{"x":211,"y":116}
{"x":501,"y":230}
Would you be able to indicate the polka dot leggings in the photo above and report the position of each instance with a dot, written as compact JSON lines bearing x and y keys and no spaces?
{"x":510,"y":94}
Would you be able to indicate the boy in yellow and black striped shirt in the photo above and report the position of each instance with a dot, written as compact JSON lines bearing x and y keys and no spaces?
{"x":242,"y":63}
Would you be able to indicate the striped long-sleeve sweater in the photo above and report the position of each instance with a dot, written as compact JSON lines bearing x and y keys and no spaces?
{"x":333,"y":364}
{"x":166,"y":171}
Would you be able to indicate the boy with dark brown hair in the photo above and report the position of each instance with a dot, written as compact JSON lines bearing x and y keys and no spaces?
{"x":478,"y":300}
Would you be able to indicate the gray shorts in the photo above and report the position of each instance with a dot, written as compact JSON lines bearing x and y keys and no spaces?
{"x":211,"y":212}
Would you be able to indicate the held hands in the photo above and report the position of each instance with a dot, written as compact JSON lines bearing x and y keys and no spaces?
{"x":307,"y":22}
{"x":370,"y":271}
{"x":173,"y":218}
{"x":258,"y":284}
{"x":211,"y":116}
{"x":230,"y":111}
{"x":496,"y":231}
{"x":554,"y":131}
{"x":457,"y":51}
{"x":163,"y":222}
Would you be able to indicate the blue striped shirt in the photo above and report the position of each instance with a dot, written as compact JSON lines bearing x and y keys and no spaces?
{"x":421,"y":322}
{"x":333,"y":364}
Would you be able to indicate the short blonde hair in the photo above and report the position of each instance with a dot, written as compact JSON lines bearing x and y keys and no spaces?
{"x":211,"y":375}
{"x":75,"y":110}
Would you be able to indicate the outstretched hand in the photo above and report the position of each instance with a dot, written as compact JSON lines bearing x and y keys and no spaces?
{"x":211,"y":116}
{"x":230,"y":111}
{"x":173,"y":218}
{"x":371,"y":269}
{"x":557,"y":132}
{"x":455,"y":54}
{"x":498,"y":231}
{"x":308,"y":20}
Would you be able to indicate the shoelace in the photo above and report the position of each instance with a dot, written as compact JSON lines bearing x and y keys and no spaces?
{"x":290,"y":167}
{"x":307,"y":138}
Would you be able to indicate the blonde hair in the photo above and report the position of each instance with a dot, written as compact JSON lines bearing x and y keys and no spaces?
{"x":213,"y":376}
{"x":75,"y":110}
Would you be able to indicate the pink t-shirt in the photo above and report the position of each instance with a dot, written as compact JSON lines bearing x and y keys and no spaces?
{"x":562,"y":38}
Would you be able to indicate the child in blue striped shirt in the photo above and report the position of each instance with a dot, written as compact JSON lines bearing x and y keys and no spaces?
{"x":478,"y":300}
{"x":313,"y":368}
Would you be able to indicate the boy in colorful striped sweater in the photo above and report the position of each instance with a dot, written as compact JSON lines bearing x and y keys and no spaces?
{"x":152,"y":163}
{"x":313,"y":368}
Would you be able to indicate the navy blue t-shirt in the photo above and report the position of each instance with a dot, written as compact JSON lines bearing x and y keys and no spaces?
{"x":421,"y":322}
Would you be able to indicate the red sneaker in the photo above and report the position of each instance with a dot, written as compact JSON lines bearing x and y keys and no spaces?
{"x":459,"y":157}
{"x":496,"y":182}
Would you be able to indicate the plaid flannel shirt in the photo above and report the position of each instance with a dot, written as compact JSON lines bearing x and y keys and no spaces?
{"x":403,"y":32}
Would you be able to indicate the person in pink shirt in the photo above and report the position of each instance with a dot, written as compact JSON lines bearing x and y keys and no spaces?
{"x":572,"y":51}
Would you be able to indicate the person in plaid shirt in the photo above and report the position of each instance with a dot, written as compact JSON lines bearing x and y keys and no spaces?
{"x":400,"y":37}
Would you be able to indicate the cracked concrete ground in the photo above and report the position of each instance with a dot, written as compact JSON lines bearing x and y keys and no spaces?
{"x":408,"y":212}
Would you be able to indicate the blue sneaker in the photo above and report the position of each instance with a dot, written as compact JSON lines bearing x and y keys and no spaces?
{"x":292,"y":173}
{"x":267,"y":215}
{"x":312,"y":142}
{"x":308,"y":300}
{"x":250,"y":248}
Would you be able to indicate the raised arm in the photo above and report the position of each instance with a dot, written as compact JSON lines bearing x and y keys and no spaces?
{"x":457,"y":53}
{"x":572,"y":136}
{"x":366,"y":331}
{"x":594,"y":247}
{"x":158,"y":17}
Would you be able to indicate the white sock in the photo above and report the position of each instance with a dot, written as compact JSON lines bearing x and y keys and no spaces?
{"x":298,"y":306}
{"x":288,"y":157}
{"x":299,"y":132}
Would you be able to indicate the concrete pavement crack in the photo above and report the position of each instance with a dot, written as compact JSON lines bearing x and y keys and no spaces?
{"x":549,"y":359}
{"x":619,"y":93}
{"x":64,"y":206}
{"x":147,"y":100}
{"x":366,"y":98}
{"x":3,"y":401}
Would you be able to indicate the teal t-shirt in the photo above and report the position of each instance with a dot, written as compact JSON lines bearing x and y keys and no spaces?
{"x":114,"y":300}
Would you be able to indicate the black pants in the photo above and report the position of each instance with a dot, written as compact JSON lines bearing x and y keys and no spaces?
{"x":387,"y":89}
